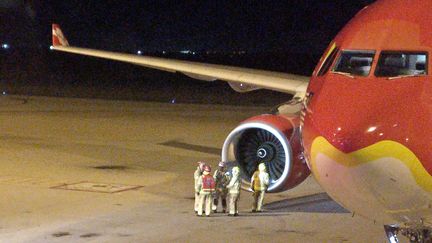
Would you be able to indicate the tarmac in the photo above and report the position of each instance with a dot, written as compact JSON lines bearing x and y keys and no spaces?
{"x":82,"y":170}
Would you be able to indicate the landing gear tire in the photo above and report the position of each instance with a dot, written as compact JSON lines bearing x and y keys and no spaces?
{"x":418,"y":235}
{"x":414,"y":235}
{"x":391,"y":233}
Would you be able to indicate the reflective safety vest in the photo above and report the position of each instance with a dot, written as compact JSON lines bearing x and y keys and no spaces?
{"x":257,"y":183}
{"x":208,"y":183}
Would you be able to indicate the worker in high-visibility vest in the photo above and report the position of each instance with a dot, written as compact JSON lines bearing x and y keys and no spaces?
{"x":259,"y":185}
{"x":221,"y":192}
{"x":234,"y":186}
{"x":197,"y":174}
{"x":205,"y":186}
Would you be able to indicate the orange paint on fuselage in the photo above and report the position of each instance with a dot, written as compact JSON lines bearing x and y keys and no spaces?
{"x":353,"y":113}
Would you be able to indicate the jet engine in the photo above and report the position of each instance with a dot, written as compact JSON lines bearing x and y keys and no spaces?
{"x":273,"y":140}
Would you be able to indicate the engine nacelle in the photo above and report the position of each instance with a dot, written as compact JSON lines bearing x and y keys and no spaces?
{"x":273,"y":140}
{"x":241,"y":87}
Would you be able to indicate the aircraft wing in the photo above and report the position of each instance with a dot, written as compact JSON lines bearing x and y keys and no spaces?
{"x":240,"y":79}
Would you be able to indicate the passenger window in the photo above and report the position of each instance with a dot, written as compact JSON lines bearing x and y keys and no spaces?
{"x":354,"y":63}
{"x":331,"y":54}
{"x":401,"y":64}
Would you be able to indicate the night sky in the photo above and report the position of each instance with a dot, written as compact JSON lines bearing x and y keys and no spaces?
{"x":285,"y":36}
{"x":156,"y":25}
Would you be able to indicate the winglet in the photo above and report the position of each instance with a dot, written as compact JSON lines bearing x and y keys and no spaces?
{"x":58,"y":39}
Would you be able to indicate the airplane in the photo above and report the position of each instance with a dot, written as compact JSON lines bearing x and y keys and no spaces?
{"x":361,"y":124}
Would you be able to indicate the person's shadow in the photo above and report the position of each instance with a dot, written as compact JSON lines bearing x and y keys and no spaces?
{"x":315,"y":203}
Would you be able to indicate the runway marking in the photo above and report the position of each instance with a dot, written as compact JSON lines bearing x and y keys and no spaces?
{"x":193,"y":147}
{"x":7,"y":179}
{"x":96,"y":187}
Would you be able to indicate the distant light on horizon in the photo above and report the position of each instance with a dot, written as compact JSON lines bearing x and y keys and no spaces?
{"x":139,"y":52}
{"x":5,"y":46}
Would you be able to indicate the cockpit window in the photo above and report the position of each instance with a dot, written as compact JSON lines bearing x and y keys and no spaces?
{"x":328,"y":60}
{"x":354,"y":63}
{"x":401,"y":64}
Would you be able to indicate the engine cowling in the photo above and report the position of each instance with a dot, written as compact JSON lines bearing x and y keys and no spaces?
{"x":270,"y":139}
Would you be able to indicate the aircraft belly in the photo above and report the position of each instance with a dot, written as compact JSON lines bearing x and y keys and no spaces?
{"x":383,"y":188}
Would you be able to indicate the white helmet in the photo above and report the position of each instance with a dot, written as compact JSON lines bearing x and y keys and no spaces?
{"x":201,"y":165}
{"x":261,"y":167}
{"x":235,"y":170}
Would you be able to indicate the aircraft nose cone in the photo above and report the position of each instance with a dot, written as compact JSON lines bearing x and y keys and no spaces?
{"x":352,"y":130}
{"x":366,"y":145}
{"x":352,"y":117}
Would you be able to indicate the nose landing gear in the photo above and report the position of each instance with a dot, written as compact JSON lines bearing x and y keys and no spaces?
{"x":415,"y":235}
{"x":391,"y":233}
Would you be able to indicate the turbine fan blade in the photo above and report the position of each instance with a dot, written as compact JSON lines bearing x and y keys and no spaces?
{"x":247,"y":156}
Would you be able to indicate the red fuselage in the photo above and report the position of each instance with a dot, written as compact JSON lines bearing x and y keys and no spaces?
{"x":356,"y":112}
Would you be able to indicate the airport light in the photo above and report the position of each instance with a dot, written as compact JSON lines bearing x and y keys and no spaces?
{"x":139,"y":52}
